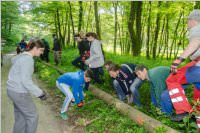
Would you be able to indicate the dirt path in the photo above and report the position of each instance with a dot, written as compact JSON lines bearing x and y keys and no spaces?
{"x":49,"y":122}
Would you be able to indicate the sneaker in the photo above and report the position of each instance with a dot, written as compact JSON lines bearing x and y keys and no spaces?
{"x":64,"y":116}
{"x":179,"y":117}
{"x":80,"y":104}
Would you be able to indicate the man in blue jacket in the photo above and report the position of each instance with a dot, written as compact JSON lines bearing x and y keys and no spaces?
{"x":125,"y":82}
{"x":77,"y":81}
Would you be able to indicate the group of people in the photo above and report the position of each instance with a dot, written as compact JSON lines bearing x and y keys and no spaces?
{"x":166,"y":83}
{"x":23,"y":46}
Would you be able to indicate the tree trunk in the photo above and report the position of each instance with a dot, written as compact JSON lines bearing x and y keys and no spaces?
{"x":115,"y":37}
{"x":72,"y":22}
{"x":80,"y":15}
{"x":148,"y":31}
{"x":68,"y":32}
{"x":88,"y":19}
{"x":55,"y":22}
{"x":161,"y":39}
{"x":135,"y":14}
{"x":175,"y":35}
{"x":156,"y":31}
{"x":166,"y":36}
{"x":59,"y":27}
{"x":98,"y":30}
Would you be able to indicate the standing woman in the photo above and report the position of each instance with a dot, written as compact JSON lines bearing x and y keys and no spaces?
{"x":96,"y":59}
{"x":19,"y":87}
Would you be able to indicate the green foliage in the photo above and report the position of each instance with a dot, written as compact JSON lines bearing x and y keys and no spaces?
{"x":100,"y":110}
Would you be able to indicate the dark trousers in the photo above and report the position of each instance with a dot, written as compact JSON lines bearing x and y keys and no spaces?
{"x":78,"y":63}
{"x":97,"y":72}
{"x":45,"y":56}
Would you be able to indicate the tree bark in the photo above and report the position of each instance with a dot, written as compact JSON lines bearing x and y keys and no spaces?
{"x":175,"y":35}
{"x":135,"y":15}
{"x":148,"y":31}
{"x":156,"y":32}
{"x":116,"y":20}
{"x":98,"y":30}
{"x":88,"y":19}
{"x":72,"y":22}
{"x":80,"y":15}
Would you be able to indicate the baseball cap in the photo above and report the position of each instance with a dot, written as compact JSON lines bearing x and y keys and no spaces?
{"x":195,"y":14}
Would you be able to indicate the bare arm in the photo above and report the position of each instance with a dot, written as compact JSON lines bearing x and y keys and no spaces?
{"x":193,"y":45}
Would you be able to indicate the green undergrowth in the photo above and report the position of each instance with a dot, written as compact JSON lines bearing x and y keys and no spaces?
{"x":50,"y":75}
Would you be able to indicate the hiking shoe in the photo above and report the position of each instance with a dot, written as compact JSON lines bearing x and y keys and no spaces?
{"x":80,"y":104}
{"x":179,"y":117}
{"x":64,"y":116}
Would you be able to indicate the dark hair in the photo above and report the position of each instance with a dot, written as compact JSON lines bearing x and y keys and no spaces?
{"x":92,"y":34}
{"x":77,"y":35}
{"x":114,"y":67}
{"x":35,"y":43}
{"x":88,"y":73}
{"x":108,"y":62}
{"x":140,"y":67}
{"x":54,"y":34}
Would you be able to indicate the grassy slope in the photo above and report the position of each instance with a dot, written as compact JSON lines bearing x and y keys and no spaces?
{"x":68,"y":55}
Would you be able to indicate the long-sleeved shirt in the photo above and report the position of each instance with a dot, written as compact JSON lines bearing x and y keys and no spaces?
{"x":195,"y":34}
{"x":157,"y":77}
{"x":83,"y":47}
{"x":20,"y":75}
{"x":76,"y":81}
{"x":96,"y":58}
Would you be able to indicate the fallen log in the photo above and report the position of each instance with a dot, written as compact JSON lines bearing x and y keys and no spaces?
{"x":137,"y":116}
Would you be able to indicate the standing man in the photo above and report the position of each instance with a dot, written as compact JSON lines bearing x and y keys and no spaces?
{"x":158,"y":88}
{"x":19,"y":87}
{"x":188,"y":74}
{"x":45,"y":55}
{"x":56,"y":49}
{"x":84,"y":49}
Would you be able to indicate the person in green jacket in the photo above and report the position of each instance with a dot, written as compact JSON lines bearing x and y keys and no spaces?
{"x":158,"y":89}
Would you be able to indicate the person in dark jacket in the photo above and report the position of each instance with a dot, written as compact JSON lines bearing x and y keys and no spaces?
{"x":84,"y":49}
{"x":125,"y":82}
{"x":45,"y":55}
{"x":56,"y":49}
{"x":22,"y":45}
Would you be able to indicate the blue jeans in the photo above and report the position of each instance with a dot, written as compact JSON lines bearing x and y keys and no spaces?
{"x":134,"y":89}
{"x":120,"y":93}
{"x":166,"y":104}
